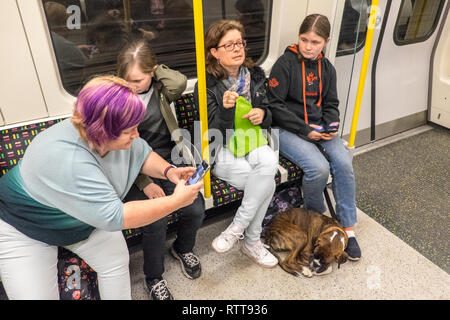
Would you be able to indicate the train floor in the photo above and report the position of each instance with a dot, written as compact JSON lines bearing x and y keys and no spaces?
{"x":389,"y":269}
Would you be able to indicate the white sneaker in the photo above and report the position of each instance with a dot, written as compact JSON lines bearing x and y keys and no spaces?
{"x":259,"y":253}
{"x":227,"y":239}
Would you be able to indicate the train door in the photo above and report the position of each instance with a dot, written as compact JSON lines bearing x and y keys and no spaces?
{"x":439,"y":97}
{"x":396,"y":86}
{"x":349,"y":56}
{"x":402,"y":66}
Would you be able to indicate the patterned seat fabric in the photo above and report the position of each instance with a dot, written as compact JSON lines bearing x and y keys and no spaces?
{"x":14,"y":141}
{"x":294,"y":172}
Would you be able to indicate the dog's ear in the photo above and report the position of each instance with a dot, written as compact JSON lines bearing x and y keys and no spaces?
{"x":341,"y":258}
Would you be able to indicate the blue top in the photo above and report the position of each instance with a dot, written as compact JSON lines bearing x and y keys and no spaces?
{"x":62,"y":190}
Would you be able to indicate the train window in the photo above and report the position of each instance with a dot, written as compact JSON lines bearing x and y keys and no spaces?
{"x":87,"y":35}
{"x":352,"y":35}
{"x":416,"y":20}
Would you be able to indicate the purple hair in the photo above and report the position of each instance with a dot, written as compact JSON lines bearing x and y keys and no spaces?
{"x":106,"y":106}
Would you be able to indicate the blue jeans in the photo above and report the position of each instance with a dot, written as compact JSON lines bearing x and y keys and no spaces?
{"x":316,"y":170}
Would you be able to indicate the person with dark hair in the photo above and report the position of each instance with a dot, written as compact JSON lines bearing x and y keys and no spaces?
{"x":231,"y":75}
{"x":68,"y":191}
{"x":304,"y":104}
{"x":158,"y":86}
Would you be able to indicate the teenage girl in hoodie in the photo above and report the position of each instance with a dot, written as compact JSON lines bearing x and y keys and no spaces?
{"x":304,"y":104}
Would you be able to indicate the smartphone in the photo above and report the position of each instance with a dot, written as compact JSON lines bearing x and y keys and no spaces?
{"x":332,"y":127}
{"x":199,"y":173}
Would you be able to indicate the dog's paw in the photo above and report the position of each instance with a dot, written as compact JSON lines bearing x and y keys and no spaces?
{"x":297,"y":274}
{"x":306,"y":272}
{"x":323,"y":270}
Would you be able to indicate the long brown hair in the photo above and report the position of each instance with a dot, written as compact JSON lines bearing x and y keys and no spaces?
{"x":317,"y":23}
{"x":214,"y":34}
{"x":136,"y":52}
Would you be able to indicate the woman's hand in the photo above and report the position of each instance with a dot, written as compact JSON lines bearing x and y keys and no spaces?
{"x":256,"y":116}
{"x":185,"y":195}
{"x":229,"y":99}
{"x":153,"y":191}
{"x":176,"y":174}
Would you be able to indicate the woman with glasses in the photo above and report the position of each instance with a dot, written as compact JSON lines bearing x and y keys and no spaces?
{"x":230,"y":74}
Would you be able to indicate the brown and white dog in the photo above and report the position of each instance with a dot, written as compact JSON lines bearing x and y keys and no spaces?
{"x":313,"y":242}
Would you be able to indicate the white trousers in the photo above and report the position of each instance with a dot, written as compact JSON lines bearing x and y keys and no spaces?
{"x":254,"y":174}
{"x":28,"y":268}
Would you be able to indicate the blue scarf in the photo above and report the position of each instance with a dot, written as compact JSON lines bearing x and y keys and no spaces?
{"x":241,"y":84}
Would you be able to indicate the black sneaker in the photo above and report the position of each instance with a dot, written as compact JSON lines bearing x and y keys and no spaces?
{"x":157,"y":289}
{"x":190,"y":264}
{"x":353,"y":250}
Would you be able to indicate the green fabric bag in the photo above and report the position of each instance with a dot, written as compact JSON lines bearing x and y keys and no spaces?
{"x":246,"y":137}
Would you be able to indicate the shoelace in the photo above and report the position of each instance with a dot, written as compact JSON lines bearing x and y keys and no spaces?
{"x":260,"y":249}
{"x":230,"y":235}
{"x":161,"y":290}
{"x":190,"y":259}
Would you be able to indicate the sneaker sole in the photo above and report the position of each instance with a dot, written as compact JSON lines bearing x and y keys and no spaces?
{"x":353,"y":259}
{"x":248,"y":254}
{"x":174,"y":254}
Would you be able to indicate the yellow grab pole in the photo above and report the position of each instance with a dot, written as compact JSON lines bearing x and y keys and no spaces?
{"x":201,"y":76}
{"x":362,"y":76}
{"x":127,"y":14}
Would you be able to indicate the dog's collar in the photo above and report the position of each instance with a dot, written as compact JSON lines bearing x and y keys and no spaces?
{"x":332,"y":228}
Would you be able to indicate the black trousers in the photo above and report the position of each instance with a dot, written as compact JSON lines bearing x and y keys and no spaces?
{"x":154,"y":235}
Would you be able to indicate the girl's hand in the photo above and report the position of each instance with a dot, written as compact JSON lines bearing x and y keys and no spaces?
{"x":256,"y":116}
{"x":176,"y":174}
{"x":314,"y":135}
{"x":328,"y":136}
{"x":153,"y":191}
{"x":229,"y":99}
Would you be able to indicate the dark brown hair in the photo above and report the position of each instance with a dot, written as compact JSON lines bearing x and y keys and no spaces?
{"x":137,"y":52}
{"x":214,"y":34}
{"x":317,"y":23}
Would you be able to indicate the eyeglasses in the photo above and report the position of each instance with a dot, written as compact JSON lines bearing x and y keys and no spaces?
{"x":230,"y":46}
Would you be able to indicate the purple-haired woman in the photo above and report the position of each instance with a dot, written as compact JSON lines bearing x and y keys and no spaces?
{"x":68,"y":189}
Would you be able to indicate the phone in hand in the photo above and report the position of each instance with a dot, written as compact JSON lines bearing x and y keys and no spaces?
{"x":199,"y":173}
{"x":332,"y":127}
